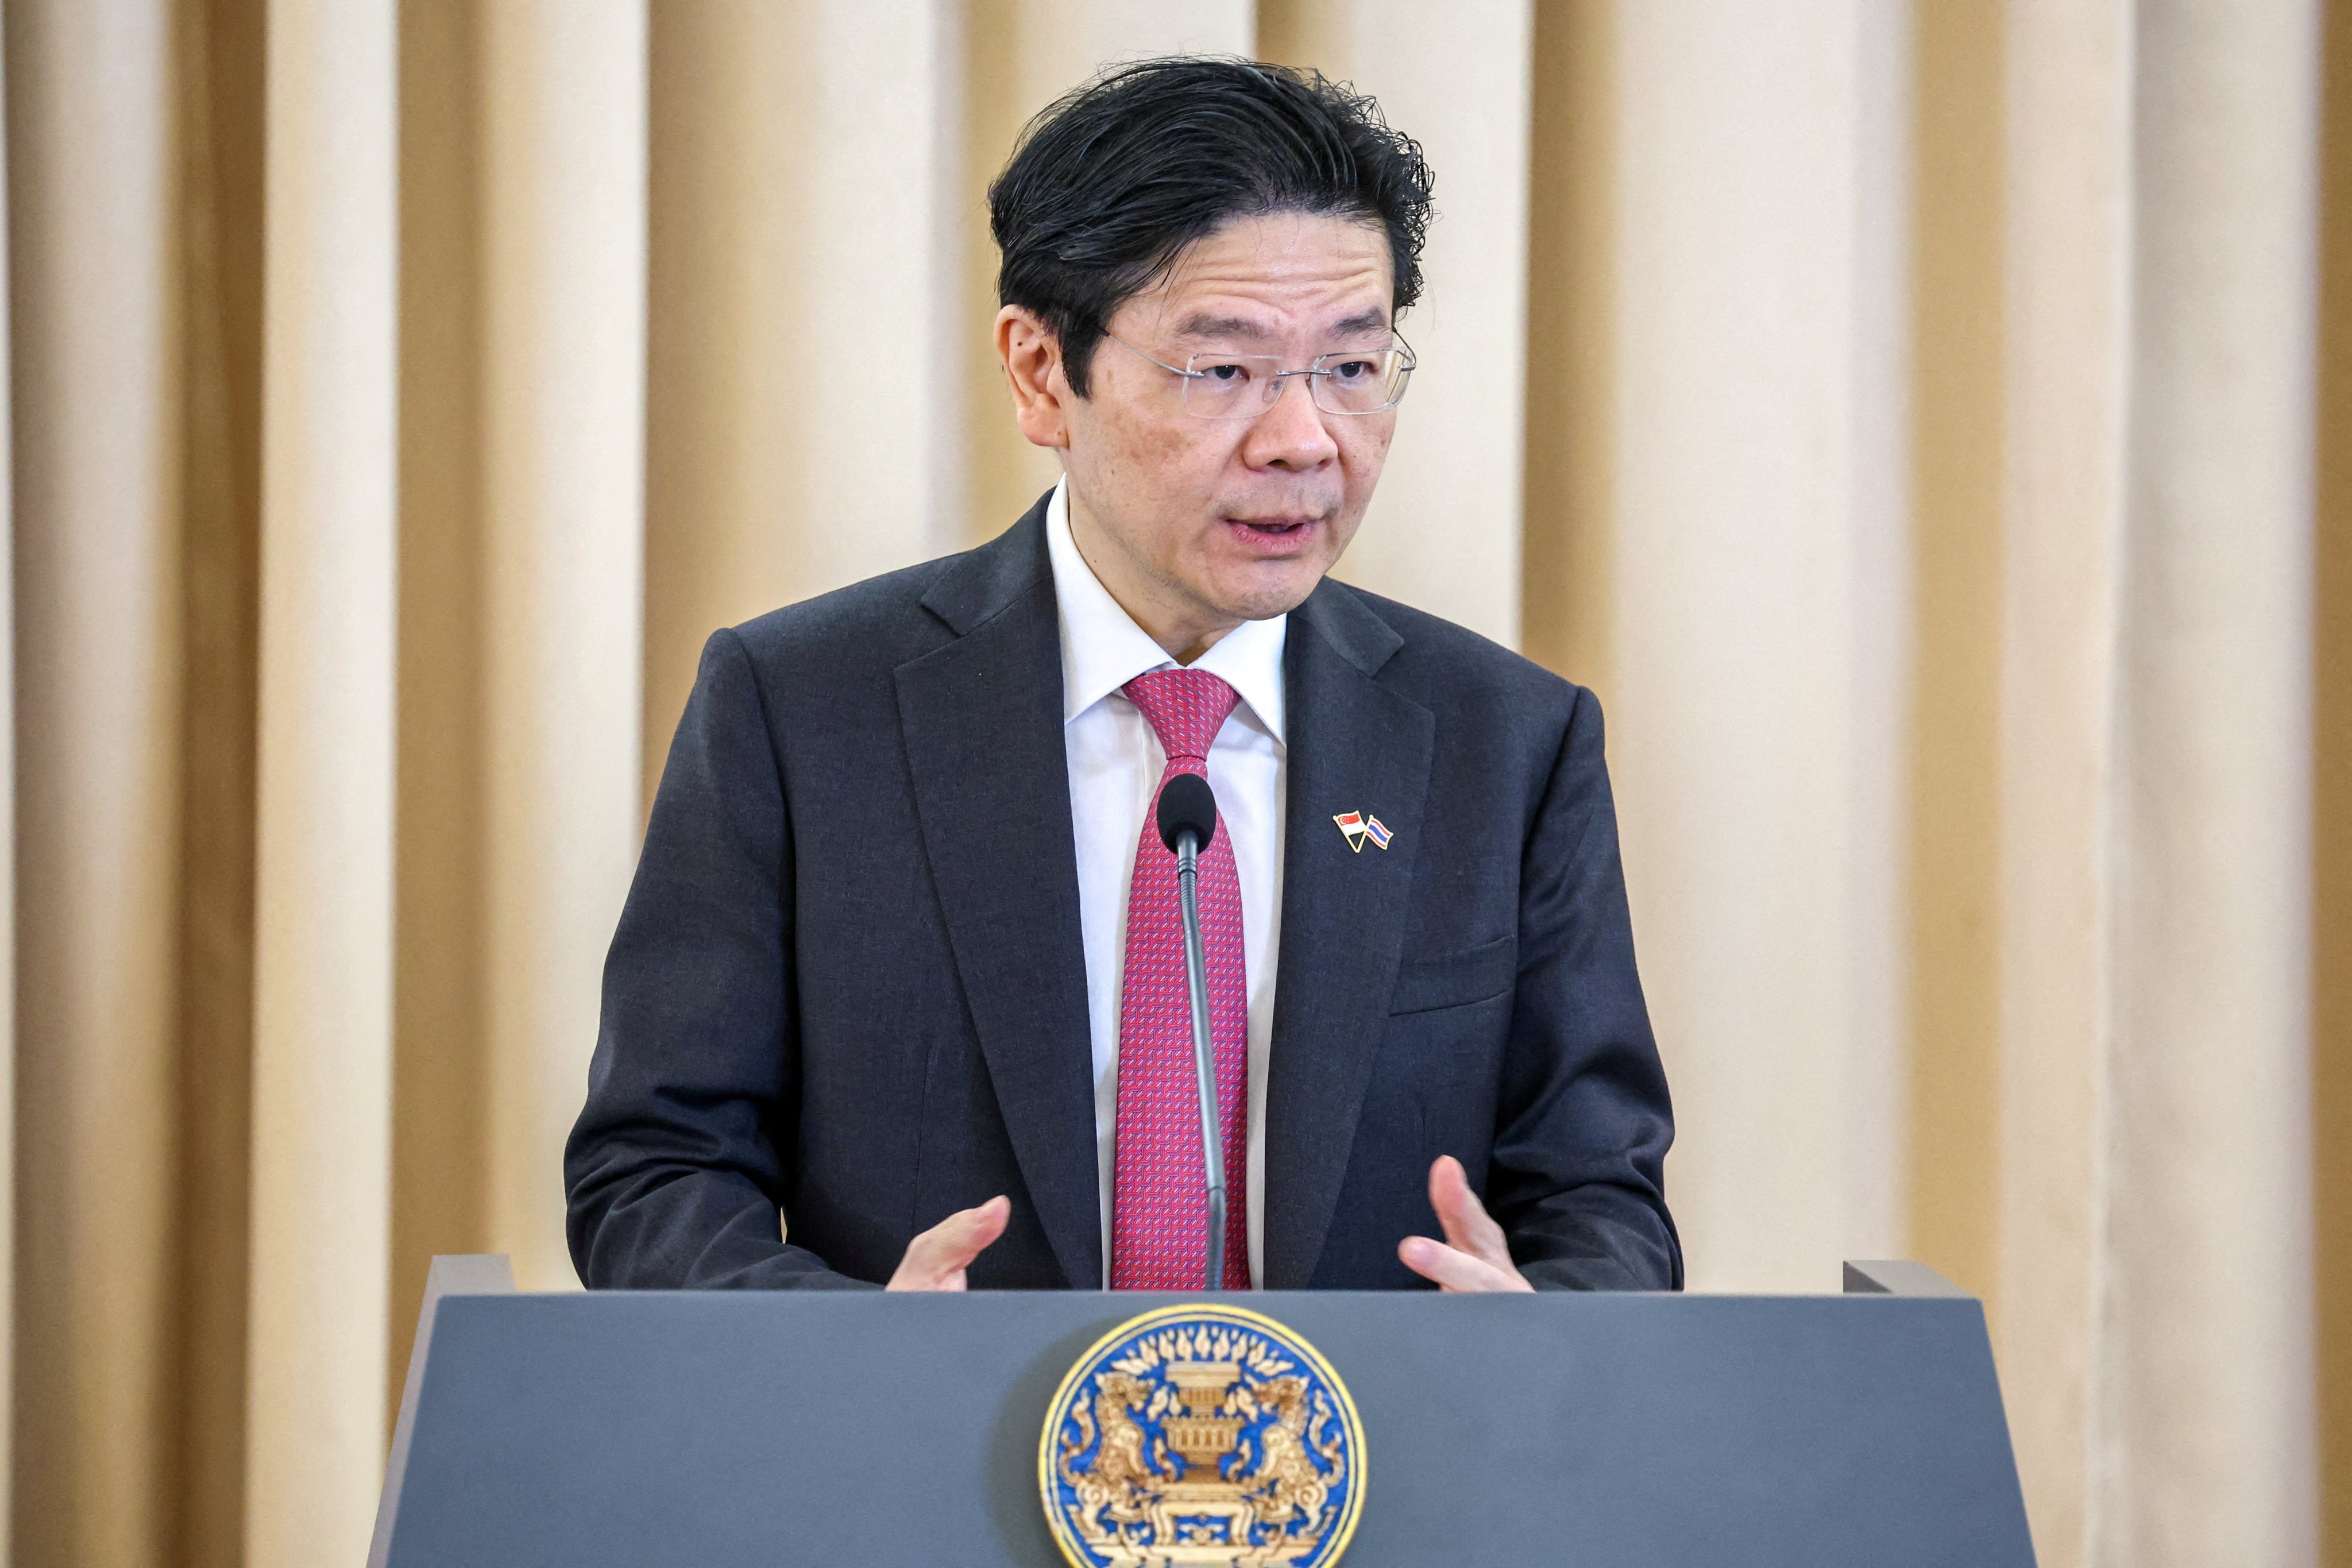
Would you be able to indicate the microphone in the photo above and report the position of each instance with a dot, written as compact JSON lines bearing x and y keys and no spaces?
{"x":1187,"y":805}
{"x":1188,"y":821}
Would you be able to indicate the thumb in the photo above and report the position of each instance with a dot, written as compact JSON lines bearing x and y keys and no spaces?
{"x":936,"y":1261}
{"x":1468,"y":1227}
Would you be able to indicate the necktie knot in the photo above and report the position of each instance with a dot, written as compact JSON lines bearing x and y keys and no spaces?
{"x":1185,"y":708}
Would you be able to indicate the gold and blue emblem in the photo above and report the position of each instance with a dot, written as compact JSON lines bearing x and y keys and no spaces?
{"x":1201,"y":1434}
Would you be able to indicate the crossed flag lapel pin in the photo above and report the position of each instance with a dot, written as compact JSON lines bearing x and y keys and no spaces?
{"x":1356,"y":827}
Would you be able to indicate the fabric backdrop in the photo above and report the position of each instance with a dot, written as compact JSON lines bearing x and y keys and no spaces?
{"x":1928,"y":425}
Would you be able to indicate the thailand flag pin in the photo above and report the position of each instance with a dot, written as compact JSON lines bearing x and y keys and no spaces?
{"x":1356,"y":827}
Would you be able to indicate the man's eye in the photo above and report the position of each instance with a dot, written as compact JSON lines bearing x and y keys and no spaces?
{"x":1226,"y":372}
{"x":1354,"y":370}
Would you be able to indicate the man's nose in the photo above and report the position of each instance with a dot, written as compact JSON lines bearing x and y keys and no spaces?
{"x":1293,"y":433}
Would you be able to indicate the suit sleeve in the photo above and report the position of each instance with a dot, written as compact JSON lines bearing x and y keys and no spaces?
{"x":675,"y":1169}
{"x":1578,"y":1175}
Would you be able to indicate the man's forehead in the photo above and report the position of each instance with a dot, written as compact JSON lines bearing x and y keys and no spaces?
{"x":1258,"y":277}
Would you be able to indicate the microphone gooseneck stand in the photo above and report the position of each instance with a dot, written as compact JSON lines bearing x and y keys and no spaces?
{"x":1188,"y":820}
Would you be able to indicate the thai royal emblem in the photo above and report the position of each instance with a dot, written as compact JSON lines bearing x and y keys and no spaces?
{"x":1201,"y":1434}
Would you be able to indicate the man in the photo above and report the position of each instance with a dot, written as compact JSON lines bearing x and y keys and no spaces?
{"x":902,"y":959}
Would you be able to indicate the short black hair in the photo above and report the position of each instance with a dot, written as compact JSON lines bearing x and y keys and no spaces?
{"x":1111,"y":181}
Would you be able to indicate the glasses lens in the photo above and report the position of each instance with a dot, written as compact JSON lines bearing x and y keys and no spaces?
{"x":1362,"y":383}
{"x":1225,"y":387}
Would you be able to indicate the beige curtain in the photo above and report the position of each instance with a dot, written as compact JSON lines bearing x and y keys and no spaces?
{"x":1925,"y":424}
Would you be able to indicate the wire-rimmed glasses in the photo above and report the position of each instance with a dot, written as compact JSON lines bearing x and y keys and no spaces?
{"x":1242,"y":386}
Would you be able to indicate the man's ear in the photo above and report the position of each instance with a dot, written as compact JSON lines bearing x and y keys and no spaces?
{"x":1033,"y":367}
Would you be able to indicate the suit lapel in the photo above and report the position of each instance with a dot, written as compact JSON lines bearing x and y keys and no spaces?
{"x":1353,"y":745}
{"x":982,"y":721}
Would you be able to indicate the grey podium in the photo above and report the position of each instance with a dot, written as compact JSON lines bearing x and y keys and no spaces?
{"x":661,"y":1429}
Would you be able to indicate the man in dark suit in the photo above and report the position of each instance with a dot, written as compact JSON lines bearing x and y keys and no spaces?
{"x":900,"y":960}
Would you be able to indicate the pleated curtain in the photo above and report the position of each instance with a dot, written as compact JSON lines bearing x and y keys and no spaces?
{"x":1926,"y":425}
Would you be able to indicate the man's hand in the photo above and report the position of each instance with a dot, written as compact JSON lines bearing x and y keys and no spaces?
{"x":1478,"y":1257}
{"x":936,"y":1261}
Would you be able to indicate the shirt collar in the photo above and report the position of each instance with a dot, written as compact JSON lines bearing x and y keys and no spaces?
{"x":1103,"y":649}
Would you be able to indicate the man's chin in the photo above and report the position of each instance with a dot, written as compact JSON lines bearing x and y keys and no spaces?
{"x":1264,"y":600}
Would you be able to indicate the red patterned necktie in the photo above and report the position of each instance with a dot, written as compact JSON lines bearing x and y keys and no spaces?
{"x":1158,"y":1215}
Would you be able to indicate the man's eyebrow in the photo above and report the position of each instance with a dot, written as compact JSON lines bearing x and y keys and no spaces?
{"x":1371,"y":320}
{"x":1220,"y":327}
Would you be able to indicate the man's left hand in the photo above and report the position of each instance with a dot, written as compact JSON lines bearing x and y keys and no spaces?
{"x":1475,"y":1255}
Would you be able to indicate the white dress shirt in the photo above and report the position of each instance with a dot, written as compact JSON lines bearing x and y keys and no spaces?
{"x":1116,"y":761}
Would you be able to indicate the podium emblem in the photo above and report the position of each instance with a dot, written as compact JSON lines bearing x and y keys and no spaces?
{"x":1201,"y":1434}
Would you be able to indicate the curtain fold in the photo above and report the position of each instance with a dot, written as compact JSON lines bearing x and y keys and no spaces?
{"x":2209,"y":1099}
{"x":97,"y":617}
{"x":562,"y":508}
{"x":2331,"y":914}
{"x":323,"y":972}
{"x":1903,"y":415}
{"x":221,"y":76}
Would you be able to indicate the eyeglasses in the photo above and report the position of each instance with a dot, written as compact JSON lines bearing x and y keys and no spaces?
{"x":1242,"y":386}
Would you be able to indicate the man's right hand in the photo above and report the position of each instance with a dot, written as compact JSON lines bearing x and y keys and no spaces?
{"x":936,"y":1261}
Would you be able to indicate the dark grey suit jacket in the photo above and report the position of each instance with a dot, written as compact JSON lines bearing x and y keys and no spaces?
{"x":849,"y":983}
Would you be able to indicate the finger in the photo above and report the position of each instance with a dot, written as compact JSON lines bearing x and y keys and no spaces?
{"x":1468,"y":1227}
{"x":1454,"y":1271}
{"x":936,"y":1261}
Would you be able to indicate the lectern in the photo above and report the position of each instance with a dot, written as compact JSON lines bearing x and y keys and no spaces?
{"x":665,"y":1429}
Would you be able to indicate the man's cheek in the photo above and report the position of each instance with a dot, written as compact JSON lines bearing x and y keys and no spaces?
{"x":1141,"y":457}
{"x":1168,"y":454}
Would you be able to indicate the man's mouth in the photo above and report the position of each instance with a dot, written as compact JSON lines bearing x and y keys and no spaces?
{"x":1273,"y":535}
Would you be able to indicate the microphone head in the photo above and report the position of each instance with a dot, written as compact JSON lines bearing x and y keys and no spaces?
{"x":1187,"y":805}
